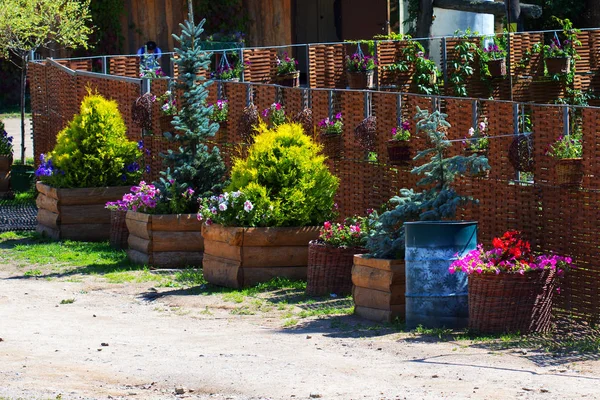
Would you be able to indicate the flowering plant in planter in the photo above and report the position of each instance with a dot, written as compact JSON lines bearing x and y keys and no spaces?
{"x":143,"y":198}
{"x":149,"y":199}
{"x":286,"y":65}
{"x":228,"y":72}
{"x":236,"y":209}
{"x":510,"y":255}
{"x":220,"y":111}
{"x":567,"y":146}
{"x":169,"y":106}
{"x":360,"y":63}
{"x":275,"y":114}
{"x":6,"y":146}
{"x":492,"y":52}
{"x":401,"y":133}
{"x":333,"y":126}
{"x":353,"y":232}
{"x":477,"y":139}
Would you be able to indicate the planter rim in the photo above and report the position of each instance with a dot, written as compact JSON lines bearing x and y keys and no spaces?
{"x":317,"y":242}
{"x":393,"y":141}
{"x":158,"y":215}
{"x":83,"y":188}
{"x":441,"y":223}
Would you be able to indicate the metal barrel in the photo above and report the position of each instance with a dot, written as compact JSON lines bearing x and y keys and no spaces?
{"x":434,"y":297}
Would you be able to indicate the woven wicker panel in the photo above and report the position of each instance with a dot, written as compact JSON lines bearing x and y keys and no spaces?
{"x":460,"y":116}
{"x":521,"y":44}
{"x":293,"y":100}
{"x":125,"y":66}
{"x":584,"y":51}
{"x":500,"y":123}
{"x":548,"y":126}
{"x":36,"y":74}
{"x":475,"y":86}
{"x":326,"y":66}
{"x":591,"y":148}
{"x":261,"y":65}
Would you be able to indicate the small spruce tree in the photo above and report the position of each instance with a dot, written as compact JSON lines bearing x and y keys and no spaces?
{"x":193,"y":165}
{"x":437,"y":201}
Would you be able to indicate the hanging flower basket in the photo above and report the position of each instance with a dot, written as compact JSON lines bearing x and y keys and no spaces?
{"x":520,"y":153}
{"x":360,"y":80}
{"x":511,"y":302}
{"x":332,"y":144}
{"x":291,"y":80}
{"x":119,"y":234}
{"x":569,"y":172}
{"x":330,"y":269}
{"x":559,"y":65}
{"x":366,"y":133}
{"x":164,"y":122}
{"x":497,"y":67}
{"x":398,"y":152}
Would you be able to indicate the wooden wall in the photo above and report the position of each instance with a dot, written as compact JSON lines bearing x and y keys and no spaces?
{"x":270,"y":22}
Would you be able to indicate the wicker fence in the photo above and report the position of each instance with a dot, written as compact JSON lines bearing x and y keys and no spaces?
{"x":324,"y":68}
{"x":554,"y":218}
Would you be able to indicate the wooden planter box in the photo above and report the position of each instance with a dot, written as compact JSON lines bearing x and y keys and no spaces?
{"x":238,"y":257}
{"x":165,"y":241}
{"x":76,"y":214}
{"x":379,"y":288}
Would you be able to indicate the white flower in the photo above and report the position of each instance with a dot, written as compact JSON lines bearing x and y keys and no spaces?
{"x":471,"y":131}
{"x":481,"y":126}
{"x":248,"y":206}
{"x":222,"y":206}
{"x":226,"y":195}
{"x":236,"y":194}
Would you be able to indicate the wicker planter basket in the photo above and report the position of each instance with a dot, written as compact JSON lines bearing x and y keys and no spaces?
{"x":118,"y":229}
{"x":398,"y":152}
{"x":511,"y":302}
{"x":360,"y":80}
{"x":330,"y":269}
{"x":569,"y":172}
{"x":165,"y":123}
{"x":290,"y":80}
{"x":497,"y":67}
{"x":332,"y":144}
{"x":558,"y":65}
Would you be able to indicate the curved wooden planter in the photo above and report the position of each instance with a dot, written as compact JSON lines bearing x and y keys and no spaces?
{"x":164,"y":241}
{"x":379,"y":288}
{"x":238,"y":257}
{"x":76,"y":214}
{"x":5,"y":164}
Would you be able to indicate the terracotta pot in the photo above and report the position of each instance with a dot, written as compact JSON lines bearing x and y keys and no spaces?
{"x":569,"y":172}
{"x":360,"y":80}
{"x":398,"y":152}
{"x":560,"y":65}
{"x":497,"y":67}
{"x":290,"y":80}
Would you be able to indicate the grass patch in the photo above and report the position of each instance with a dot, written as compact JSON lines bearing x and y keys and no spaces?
{"x":20,"y":199}
{"x":33,"y":272}
{"x":62,"y":258}
{"x":128,"y":276}
{"x":67,"y":301}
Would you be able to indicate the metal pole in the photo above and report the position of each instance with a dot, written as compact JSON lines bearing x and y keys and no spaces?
{"x":104,"y":65}
{"x":445,"y":61}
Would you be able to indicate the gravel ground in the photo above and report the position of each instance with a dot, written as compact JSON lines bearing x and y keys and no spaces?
{"x":136,"y":342}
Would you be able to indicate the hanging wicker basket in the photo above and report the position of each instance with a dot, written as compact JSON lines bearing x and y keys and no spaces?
{"x":330,"y":269}
{"x":511,"y":302}
{"x":569,"y":172}
{"x":520,"y":153}
{"x":332,"y":144}
{"x":119,"y":234}
{"x":398,"y":152}
{"x":559,"y":65}
{"x":291,"y":80}
{"x":366,"y":133}
{"x":360,"y":80}
{"x":497,"y":67}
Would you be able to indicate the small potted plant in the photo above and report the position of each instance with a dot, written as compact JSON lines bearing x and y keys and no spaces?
{"x":398,"y":147}
{"x":228,"y":72}
{"x":360,"y":70}
{"x":494,"y":57}
{"x":287,"y":72}
{"x":331,"y":135}
{"x":557,"y":56}
{"x":511,"y":289}
{"x":477,"y":141}
{"x":330,"y":256}
{"x":275,"y":115}
{"x":168,"y":109}
{"x":219,"y":115}
{"x":6,"y":158}
{"x":568,"y":150}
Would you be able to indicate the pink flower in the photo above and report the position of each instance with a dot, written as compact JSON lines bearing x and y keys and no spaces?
{"x":265,"y":113}
{"x":248,"y":206}
{"x":471,"y":131}
{"x":327,"y":225}
{"x":482,"y":126}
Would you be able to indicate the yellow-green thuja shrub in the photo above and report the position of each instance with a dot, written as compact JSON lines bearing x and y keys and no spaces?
{"x":93,"y":150}
{"x":284,"y":167}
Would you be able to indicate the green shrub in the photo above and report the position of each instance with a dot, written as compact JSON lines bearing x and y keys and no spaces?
{"x":285,"y":164}
{"x":93,"y":151}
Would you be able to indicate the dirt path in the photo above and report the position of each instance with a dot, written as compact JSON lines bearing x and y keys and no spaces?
{"x":157,"y":344}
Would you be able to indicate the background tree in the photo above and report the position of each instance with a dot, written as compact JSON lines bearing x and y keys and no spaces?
{"x":28,"y":25}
